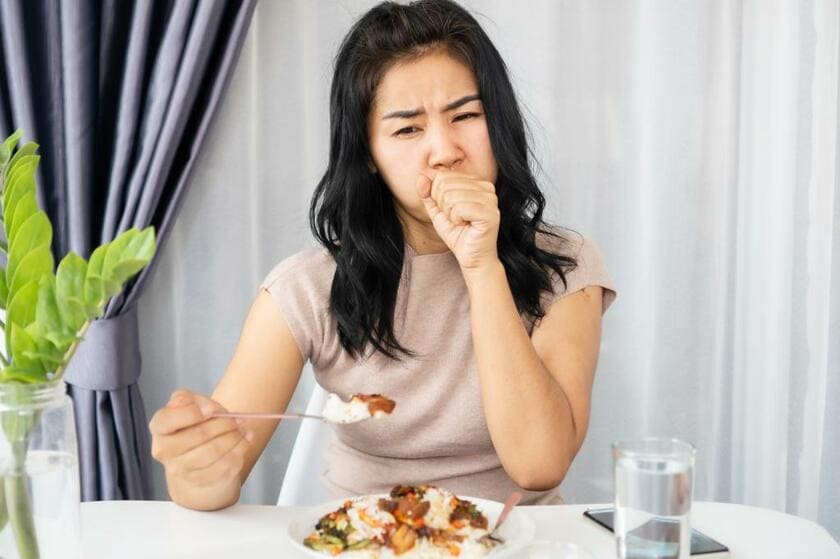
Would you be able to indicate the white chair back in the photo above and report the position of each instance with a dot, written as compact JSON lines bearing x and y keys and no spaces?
{"x":302,"y":483}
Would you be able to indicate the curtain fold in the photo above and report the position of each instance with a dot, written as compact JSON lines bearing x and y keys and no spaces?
{"x":120,"y":96}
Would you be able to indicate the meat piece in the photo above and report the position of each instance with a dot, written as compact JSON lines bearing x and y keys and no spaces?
{"x":377,"y":403}
{"x":466,"y":512}
{"x":402,"y":490}
{"x":402,"y":539}
{"x":410,"y":510}
{"x":387,"y":505}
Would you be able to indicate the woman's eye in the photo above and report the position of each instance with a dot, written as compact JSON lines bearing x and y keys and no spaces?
{"x":404,"y":131}
{"x":466,"y":116}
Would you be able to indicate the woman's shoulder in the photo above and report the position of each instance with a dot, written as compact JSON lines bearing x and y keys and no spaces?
{"x":589,"y":268}
{"x":311,"y":269}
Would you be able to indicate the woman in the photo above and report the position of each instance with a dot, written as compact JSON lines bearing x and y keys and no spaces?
{"x":438,"y":284}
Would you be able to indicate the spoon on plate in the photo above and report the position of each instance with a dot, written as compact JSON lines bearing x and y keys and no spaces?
{"x":511,"y":502}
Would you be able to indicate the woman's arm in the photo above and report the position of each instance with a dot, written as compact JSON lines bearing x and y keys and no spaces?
{"x":261,"y":377}
{"x":536,"y":391}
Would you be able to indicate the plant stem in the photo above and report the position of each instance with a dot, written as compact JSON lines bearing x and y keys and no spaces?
{"x":71,"y":350}
{"x":17,"y":425}
{"x":19,"y":506}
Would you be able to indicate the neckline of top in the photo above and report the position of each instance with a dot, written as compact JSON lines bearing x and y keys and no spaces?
{"x":412,"y":254}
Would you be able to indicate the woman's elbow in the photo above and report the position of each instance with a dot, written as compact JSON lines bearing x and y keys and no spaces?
{"x":539,"y":479}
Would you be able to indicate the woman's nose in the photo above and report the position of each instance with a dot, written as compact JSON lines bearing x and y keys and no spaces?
{"x":444,"y":151}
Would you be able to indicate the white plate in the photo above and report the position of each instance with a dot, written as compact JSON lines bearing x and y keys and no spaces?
{"x":517,"y":531}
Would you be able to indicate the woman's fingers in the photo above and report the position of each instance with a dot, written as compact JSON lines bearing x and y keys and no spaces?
{"x":452,"y":199}
{"x":451,"y":188}
{"x":165,"y":447}
{"x":227,"y":466}
{"x":458,"y":197}
{"x":447,"y":180}
{"x":183,"y":410}
{"x":195,"y":446}
{"x":471,"y":212}
{"x":206,"y":453}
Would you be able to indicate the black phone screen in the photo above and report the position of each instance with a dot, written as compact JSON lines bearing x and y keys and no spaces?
{"x":656,"y":529}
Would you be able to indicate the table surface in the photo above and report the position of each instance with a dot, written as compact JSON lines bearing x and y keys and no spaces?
{"x":161,"y":529}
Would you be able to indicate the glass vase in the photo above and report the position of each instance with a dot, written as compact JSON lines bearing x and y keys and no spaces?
{"x":40,"y":473}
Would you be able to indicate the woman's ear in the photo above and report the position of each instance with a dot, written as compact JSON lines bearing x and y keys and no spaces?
{"x":372,"y":167}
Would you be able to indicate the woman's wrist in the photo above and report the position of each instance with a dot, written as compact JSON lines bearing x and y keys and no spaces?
{"x":484,"y":275}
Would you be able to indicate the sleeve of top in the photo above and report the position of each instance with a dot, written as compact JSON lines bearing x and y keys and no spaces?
{"x":590,"y":270}
{"x":297,"y":290}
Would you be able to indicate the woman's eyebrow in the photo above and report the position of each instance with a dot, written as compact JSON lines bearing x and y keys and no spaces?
{"x":411,"y":113}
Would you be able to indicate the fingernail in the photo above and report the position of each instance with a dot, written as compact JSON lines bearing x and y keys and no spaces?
{"x":249,"y":436}
{"x":206,"y":409}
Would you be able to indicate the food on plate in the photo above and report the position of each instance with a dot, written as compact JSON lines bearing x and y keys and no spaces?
{"x":360,"y":406}
{"x":421,"y":521}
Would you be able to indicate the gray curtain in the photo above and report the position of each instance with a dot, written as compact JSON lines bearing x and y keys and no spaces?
{"x":119,"y":95}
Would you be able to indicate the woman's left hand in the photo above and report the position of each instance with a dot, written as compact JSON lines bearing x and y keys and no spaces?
{"x":465,"y":213}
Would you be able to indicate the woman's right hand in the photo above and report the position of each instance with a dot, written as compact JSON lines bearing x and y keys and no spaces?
{"x":194,"y":448}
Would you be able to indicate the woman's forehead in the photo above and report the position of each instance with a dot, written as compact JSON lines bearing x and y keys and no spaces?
{"x":430,"y":82}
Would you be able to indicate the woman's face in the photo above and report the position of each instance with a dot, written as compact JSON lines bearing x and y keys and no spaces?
{"x":426,"y":117}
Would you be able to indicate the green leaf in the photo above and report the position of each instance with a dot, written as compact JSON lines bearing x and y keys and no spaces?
{"x":94,"y":284}
{"x":20,"y":167}
{"x":116,"y":250}
{"x":123,"y":271}
{"x":97,"y":258}
{"x":34,"y":233}
{"x":26,"y":208}
{"x":13,"y":139}
{"x":70,"y":291}
{"x":136,"y":256}
{"x":142,"y":247}
{"x":11,"y":197}
{"x":29,"y":149}
{"x":4,"y":289}
{"x":47,"y":313}
{"x":47,"y":353}
{"x":111,"y":289}
{"x":5,"y":153}
{"x":94,"y":295}
{"x":31,"y":268}
{"x":15,"y":373}
{"x":22,"y":343}
{"x":8,"y":145}
{"x":21,"y":309}
{"x":61,"y":340}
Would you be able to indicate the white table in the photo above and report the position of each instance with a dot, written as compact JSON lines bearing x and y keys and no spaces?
{"x":163,"y":530}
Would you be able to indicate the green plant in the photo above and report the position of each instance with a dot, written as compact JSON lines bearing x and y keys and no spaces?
{"x":47,"y":310}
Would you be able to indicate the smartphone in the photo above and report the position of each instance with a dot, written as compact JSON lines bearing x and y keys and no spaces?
{"x":701,"y":545}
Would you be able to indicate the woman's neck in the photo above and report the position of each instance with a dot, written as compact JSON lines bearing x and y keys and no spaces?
{"x":420,"y":236}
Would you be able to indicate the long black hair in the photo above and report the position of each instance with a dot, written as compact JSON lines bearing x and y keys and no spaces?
{"x":352,"y":212}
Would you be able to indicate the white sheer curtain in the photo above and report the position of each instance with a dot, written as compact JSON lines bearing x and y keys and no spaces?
{"x":696,"y":142}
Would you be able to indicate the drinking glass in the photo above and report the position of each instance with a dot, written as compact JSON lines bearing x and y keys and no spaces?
{"x":653,"y":480}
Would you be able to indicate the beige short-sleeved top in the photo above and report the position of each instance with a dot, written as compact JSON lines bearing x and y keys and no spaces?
{"x":437,"y":433}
